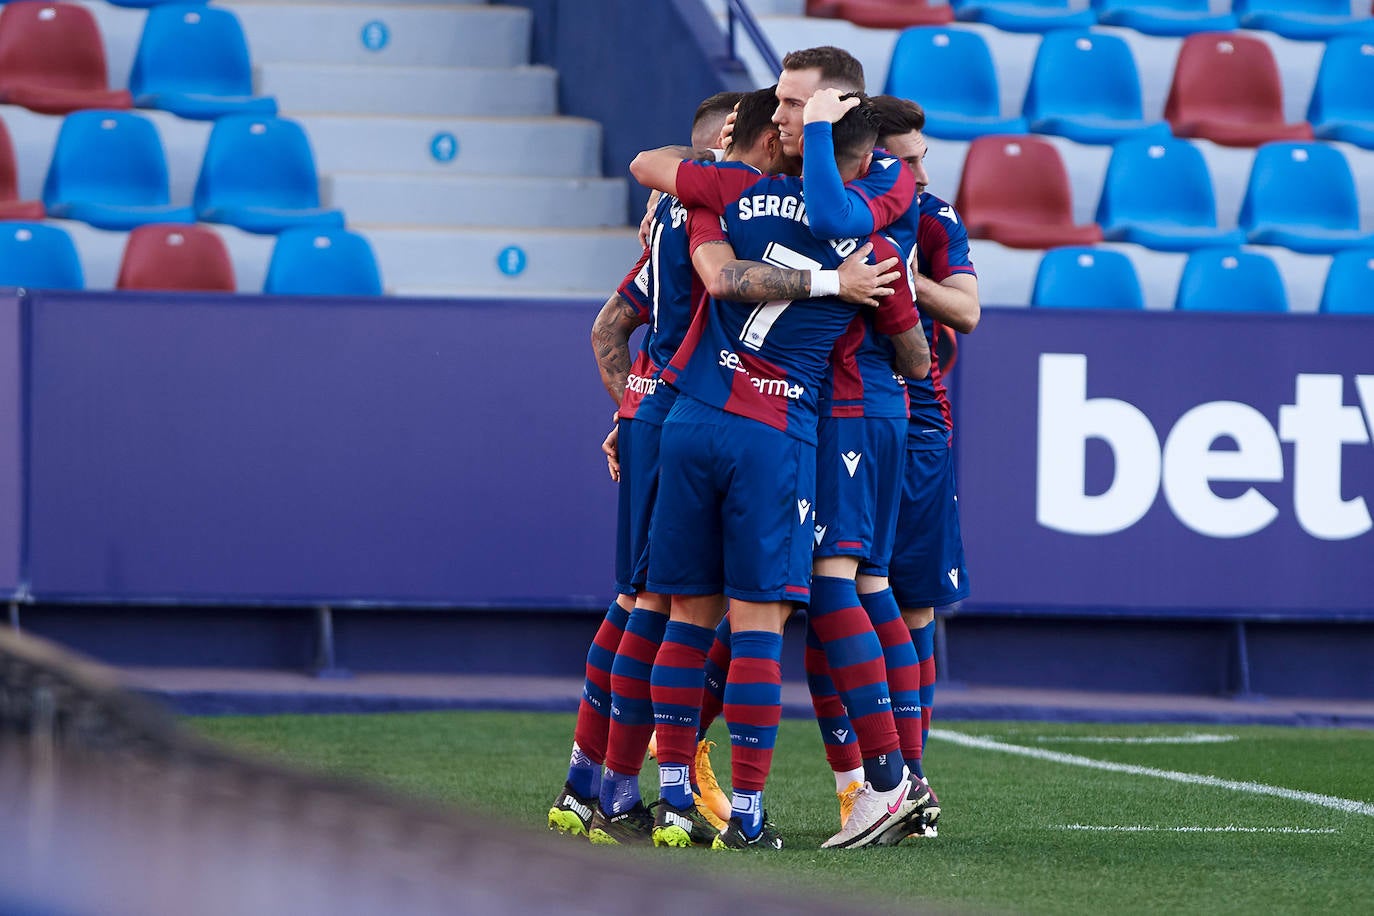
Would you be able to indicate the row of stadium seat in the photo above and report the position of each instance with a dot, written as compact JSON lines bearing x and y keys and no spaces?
{"x":193,"y":257}
{"x":192,"y":60}
{"x":1301,"y":20}
{"x":109,"y":169}
{"x":1015,"y":190}
{"x":1213,"y":279}
{"x":1086,"y":86}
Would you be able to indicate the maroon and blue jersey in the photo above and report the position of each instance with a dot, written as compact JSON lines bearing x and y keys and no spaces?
{"x":664,"y":287}
{"x":941,"y":252}
{"x":862,"y":381}
{"x":765,"y":361}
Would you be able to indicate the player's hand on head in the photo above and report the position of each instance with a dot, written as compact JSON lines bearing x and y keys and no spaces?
{"x":727,"y":130}
{"x":863,"y":283}
{"x":610,"y":447}
{"x":827,"y":105}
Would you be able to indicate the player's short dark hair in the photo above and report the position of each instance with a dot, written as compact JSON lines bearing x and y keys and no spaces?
{"x":897,"y":116}
{"x":754,"y":117}
{"x":839,"y":69}
{"x":855,"y":133}
{"x":718,"y":105}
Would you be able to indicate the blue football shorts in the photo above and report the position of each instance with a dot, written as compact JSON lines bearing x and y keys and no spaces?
{"x":639,"y":470}
{"x":735,"y":508}
{"x":927,"y":567}
{"x":859,"y":462}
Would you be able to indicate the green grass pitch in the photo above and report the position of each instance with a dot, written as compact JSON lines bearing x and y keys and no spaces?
{"x":1039,"y":817}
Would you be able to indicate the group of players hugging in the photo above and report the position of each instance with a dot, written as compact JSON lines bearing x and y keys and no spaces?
{"x":782,"y":442}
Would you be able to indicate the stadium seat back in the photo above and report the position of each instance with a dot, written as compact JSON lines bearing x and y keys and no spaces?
{"x":1304,"y":7}
{"x":1342,"y":92}
{"x":176,"y":256}
{"x":322,"y":262}
{"x":1153,"y":181}
{"x":1226,"y":76}
{"x":1086,"y":278}
{"x":110,"y":157}
{"x":192,"y":48}
{"x":1230,"y":280}
{"x":1300,"y":184}
{"x":51,"y":44}
{"x":1180,"y":6}
{"x":38,"y":256}
{"x":1020,"y":178}
{"x":948,"y":70}
{"x":1349,"y":288}
{"x":257,"y":162}
{"x":1078,"y":72}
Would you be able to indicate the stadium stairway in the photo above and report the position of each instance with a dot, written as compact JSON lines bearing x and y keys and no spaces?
{"x":431,"y":132}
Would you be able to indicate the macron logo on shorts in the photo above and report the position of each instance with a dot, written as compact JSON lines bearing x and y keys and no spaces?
{"x":851,"y":461}
{"x":803,"y":507}
{"x":820,"y":534}
{"x":953,"y":577}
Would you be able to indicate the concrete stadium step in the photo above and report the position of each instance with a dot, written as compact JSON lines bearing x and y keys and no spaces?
{"x":424,"y":91}
{"x":551,"y":147}
{"x":429,"y":35}
{"x":427,"y":200}
{"x":503,"y":262}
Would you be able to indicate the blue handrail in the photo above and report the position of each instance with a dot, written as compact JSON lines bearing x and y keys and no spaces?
{"x":736,"y":11}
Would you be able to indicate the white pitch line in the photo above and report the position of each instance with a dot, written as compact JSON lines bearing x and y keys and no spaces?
{"x":1228,"y":829}
{"x":1349,"y":806}
{"x":1144,"y":739}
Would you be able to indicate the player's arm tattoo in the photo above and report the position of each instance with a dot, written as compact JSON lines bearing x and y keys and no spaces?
{"x":912,"y":353}
{"x":752,"y":281}
{"x":611,"y":342}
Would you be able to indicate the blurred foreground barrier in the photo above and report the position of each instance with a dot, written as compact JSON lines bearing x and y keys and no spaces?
{"x":111,"y":808}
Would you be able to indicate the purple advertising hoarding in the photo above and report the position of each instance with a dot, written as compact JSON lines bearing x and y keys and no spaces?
{"x":11,"y":442}
{"x":240,"y":449}
{"x":1168,"y":463}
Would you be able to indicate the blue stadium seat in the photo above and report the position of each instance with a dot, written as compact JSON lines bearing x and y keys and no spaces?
{"x":259,"y":174}
{"x":1230,"y":280}
{"x":1302,"y":20}
{"x":144,"y":4}
{"x":1342,"y":106}
{"x":1024,"y":15}
{"x":1086,"y":278}
{"x":322,"y":262}
{"x":1159,"y":194}
{"x":951,"y":73}
{"x":193,"y":61}
{"x":108,"y":169}
{"x":36,"y":256}
{"x":1085,"y":86}
{"x":1302,"y":196}
{"x":1164,"y":17}
{"x":1349,"y":288}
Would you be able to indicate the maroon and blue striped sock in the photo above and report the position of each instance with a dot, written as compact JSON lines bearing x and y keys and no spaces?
{"x":924,"y":640}
{"x":837,"y":734}
{"x":753,"y":708}
{"x":632,"y":709}
{"x":594,"y":711}
{"x":903,"y":671}
{"x":676,"y":686}
{"x":717,"y":667}
{"x":856,"y":664}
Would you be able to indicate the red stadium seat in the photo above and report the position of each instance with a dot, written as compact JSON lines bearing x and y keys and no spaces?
{"x":11,"y":207}
{"x":893,"y":14}
{"x":1015,"y":190}
{"x":1227,"y":89}
{"x":176,"y":256}
{"x":52,"y":59}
